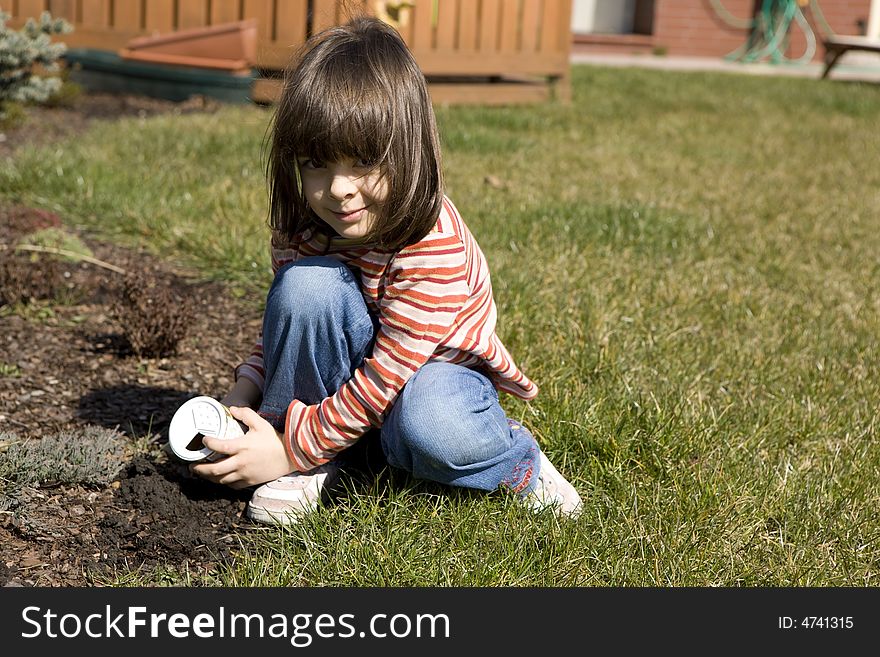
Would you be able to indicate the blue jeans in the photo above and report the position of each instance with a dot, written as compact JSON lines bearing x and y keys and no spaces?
{"x":446,"y":425}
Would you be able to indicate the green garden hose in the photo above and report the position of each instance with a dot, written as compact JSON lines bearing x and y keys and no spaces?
{"x":770,"y":30}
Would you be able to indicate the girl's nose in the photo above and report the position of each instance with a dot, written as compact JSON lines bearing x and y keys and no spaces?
{"x":342,"y":185}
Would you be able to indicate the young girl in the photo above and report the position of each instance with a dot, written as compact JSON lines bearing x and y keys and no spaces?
{"x":380,"y":315}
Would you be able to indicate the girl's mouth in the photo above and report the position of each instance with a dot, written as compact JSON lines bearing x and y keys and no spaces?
{"x":349,"y":217}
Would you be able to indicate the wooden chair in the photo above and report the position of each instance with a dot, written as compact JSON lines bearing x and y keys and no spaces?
{"x":837,"y":45}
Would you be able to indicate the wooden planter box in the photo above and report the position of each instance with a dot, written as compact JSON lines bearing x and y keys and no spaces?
{"x":472,"y":51}
{"x":230,"y":47}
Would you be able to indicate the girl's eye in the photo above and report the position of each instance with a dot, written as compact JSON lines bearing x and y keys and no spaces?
{"x":308,"y":163}
{"x":363,"y":163}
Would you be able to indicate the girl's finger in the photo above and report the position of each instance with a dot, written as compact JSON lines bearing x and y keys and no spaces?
{"x":247,"y":415}
{"x":233,"y":480}
{"x":221,"y":445}
{"x":215,"y":471}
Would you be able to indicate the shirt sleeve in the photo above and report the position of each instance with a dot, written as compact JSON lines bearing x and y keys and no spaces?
{"x":252,"y":368}
{"x":426,"y":288}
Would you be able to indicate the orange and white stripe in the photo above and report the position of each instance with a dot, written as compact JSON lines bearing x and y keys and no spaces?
{"x":434,"y":302}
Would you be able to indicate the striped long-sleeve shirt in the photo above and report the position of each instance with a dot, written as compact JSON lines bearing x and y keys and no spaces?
{"x":434,"y":302}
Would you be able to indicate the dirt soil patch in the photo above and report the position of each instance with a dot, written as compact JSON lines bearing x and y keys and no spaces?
{"x":66,"y":366}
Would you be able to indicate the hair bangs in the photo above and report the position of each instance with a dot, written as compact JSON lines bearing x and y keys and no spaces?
{"x":350,"y":119}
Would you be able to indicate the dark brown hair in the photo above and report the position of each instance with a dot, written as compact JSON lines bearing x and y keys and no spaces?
{"x":356,"y":91}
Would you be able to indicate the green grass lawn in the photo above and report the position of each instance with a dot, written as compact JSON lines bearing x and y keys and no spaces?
{"x":686,"y":263}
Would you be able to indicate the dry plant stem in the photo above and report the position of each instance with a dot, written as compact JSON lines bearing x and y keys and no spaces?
{"x":66,"y":253}
{"x":11,"y":421}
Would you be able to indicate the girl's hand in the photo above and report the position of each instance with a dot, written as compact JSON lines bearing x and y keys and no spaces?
{"x":257,"y":457}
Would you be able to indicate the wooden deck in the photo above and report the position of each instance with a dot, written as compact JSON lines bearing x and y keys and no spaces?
{"x":474,"y":51}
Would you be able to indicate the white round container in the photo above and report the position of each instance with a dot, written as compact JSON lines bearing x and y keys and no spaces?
{"x":195,"y":419}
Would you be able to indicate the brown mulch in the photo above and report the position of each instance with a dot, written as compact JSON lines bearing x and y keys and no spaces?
{"x":66,"y":365}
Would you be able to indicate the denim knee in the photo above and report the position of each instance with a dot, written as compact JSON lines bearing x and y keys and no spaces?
{"x":446,"y":416}
{"x":304,"y":290}
{"x":317,"y":329}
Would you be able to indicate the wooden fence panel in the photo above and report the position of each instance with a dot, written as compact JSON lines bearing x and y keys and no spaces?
{"x":447,"y":19}
{"x":550,"y":21}
{"x":262,"y":10}
{"x":513,"y":40}
{"x":507,"y":32}
{"x":530,"y":24}
{"x":352,"y":8}
{"x":65,"y":9}
{"x":467,"y":27}
{"x":126,"y":16}
{"x":192,"y":13}
{"x":323,"y":14}
{"x":226,"y":11}
{"x":159,"y":16}
{"x":292,"y":22}
{"x":489,"y":22}
{"x":30,"y":8}
{"x":95,"y":14}
{"x":423,"y":27}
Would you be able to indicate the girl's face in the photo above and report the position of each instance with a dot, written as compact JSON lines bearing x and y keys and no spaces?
{"x":346,"y":195}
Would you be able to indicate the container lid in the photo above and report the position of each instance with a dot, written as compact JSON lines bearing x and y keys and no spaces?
{"x":195,"y":419}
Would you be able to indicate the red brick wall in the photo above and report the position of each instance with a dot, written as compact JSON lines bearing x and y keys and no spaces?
{"x":693,"y":28}
{"x":844,"y":17}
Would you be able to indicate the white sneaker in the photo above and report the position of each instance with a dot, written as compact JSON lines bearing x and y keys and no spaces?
{"x":285,"y":500}
{"x":553,"y":492}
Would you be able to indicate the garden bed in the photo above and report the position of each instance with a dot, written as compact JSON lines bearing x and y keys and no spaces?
{"x":66,"y":367}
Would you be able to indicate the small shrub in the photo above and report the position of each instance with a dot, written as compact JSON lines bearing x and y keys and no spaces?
{"x":12,"y":115}
{"x":58,"y":238}
{"x":66,"y":96}
{"x":19,"y":220}
{"x":28,"y":277}
{"x":154,"y":317}
{"x":92,"y":456}
{"x":24,"y":54}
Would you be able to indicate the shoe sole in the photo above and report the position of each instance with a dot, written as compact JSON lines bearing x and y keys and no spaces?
{"x":266,"y":517}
